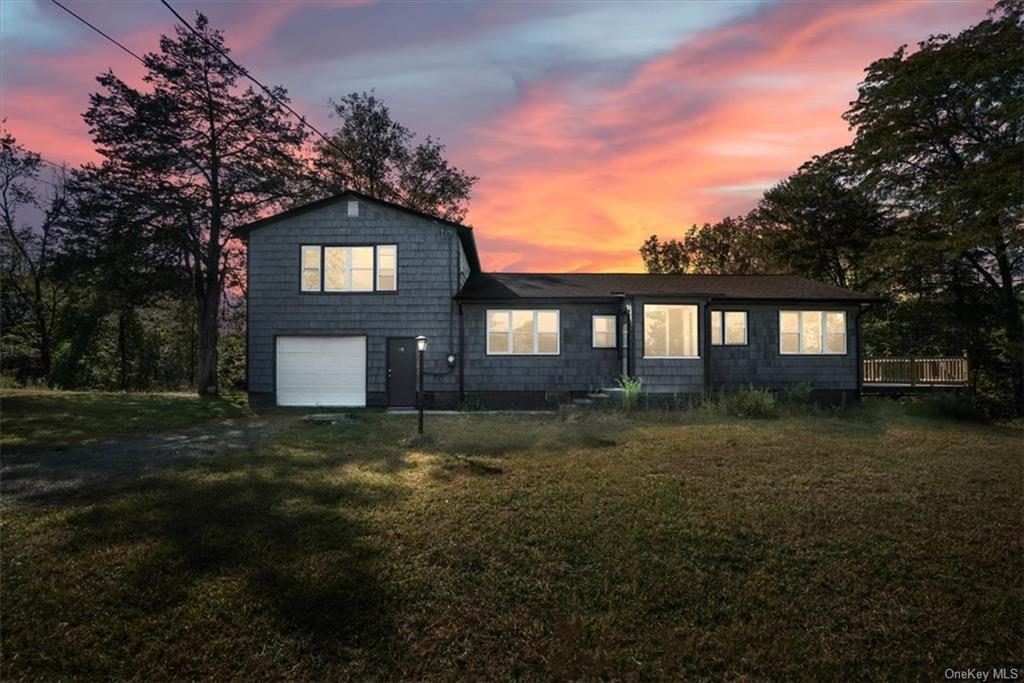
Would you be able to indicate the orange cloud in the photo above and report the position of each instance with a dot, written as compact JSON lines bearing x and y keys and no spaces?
{"x":587,"y":175}
{"x":584,"y":164}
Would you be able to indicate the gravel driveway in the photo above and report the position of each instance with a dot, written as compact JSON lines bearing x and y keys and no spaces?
{"x":26,"y":475}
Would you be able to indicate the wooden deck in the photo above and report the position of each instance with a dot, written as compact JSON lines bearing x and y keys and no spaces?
{"x":887,"y":375}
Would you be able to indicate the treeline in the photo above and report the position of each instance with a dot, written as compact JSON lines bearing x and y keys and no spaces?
{"x":125,"y":273}
{"x":925,"y":207}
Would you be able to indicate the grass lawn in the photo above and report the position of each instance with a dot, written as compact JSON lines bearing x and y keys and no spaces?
{"x":515,"y":546}
{"x":32,"y":419}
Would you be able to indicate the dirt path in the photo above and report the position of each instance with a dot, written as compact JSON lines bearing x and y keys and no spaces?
{"x":34,"y":474}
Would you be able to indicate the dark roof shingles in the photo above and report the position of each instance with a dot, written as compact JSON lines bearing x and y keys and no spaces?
{"x":607,"y":285}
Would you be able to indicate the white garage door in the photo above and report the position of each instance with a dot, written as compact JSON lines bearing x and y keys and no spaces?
{"x":321,"y":371}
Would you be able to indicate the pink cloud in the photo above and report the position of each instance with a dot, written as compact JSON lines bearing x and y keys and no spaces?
{"x":586,"y":176}
{"x":573,"y":175}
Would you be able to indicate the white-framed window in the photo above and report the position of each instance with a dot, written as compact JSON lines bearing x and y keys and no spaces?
{"x":310,"y":268}
{"x":670,"y":331}
{"x":387,"y":267}
{"x":728,"y":328}
{"x":353,"y":208}
{"x":348,"y":269}
{"x":812,"y":332}
{"x":603,"y":331}
{"x":520,"y":332}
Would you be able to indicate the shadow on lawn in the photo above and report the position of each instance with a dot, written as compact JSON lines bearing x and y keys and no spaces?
{"x":275,"y":533}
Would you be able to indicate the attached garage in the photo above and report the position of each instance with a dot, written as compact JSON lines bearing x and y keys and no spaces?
{"x":321,"y":371}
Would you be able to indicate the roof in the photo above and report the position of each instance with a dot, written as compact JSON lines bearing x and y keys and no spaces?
{"x":505,"y":286}
{"x":464,"y":232}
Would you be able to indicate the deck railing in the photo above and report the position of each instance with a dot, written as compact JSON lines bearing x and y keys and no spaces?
{"x":916,"y":371}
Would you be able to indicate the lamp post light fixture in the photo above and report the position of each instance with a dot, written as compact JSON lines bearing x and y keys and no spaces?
{"x":421,"y":347}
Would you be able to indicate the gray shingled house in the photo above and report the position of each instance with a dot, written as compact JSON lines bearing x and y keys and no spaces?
{"x":338,"y":289}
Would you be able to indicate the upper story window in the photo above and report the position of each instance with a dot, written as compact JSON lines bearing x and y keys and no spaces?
{"x":333,"y":268}
{"x":812,"y":332}
{"x":523,"y":333}
{"x":728,"y":328}
{"x":603,"y":332}
{"x":670,"y":331}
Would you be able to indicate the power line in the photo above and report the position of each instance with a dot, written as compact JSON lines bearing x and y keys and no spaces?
{"x":242,"y":70}
{"x":94,"y":28}
{"x":245,"y":72}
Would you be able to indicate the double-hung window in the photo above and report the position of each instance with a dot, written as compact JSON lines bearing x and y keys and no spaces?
{"x":339,"y":268}
{"x":348,"y":269}
{"x":523,"y":332}
{"x":311,"y":269}
{"x":812,"y":332}
{"x":603,"y":332}
{"x":670,"y":331}
{"x":387,"y":267}
{"x":728,"y":328}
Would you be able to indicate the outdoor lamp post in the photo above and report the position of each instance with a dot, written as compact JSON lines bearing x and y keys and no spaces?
{"x":421,"y":347}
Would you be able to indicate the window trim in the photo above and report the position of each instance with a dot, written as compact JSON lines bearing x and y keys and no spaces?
{"x":323,"y":246}
{"x":823,"y":312}
{"x":593,"y":331}
{"x":720,"y":314}
{"x":644,"y":328}
{"x":536,"y":332}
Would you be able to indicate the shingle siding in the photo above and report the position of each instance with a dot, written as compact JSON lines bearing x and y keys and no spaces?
{"x":760,"y":364}
{"x":577,"y":368}
{"x":429,"y":258}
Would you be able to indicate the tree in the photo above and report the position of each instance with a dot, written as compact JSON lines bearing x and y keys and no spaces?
{"x":117,"y":242}
{"x":732,"y":245}
{"x":372,"y":153}
{"x":208,"y":153}
{"x":821,"y":224}
{"x":31,"y":252}
{"x":939,"y":136}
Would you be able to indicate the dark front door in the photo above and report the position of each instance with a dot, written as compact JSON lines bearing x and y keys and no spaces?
{"x":401,"y":372}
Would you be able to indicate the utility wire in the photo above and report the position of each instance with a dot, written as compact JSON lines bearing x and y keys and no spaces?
{"x":94,"y":28}
{"x":245,"y":72}
{"x":242,"y":70}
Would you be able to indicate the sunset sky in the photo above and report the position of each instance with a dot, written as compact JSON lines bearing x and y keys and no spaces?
{"x":591,"y":125}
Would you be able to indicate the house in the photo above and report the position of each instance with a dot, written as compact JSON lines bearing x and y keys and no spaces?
{"x":338,"y":289}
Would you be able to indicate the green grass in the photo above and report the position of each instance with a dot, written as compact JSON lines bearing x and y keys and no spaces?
{"x":33,"y":419}
{"x":594,"y":546}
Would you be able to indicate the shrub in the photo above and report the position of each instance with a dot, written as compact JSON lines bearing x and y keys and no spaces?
{"x":471,"y":404}
{"x":750,"y":402}
{"x":796,"y":396}
{"x":630,"y":391}
{"x":712,"y":402}
{"x":948,"y":405}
